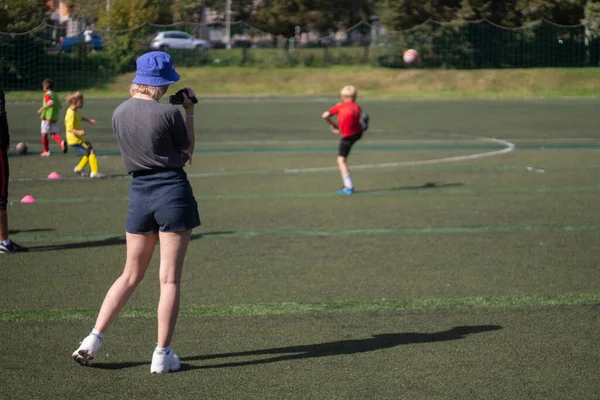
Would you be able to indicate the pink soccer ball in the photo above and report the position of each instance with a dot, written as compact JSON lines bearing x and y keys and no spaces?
{"x":410,"y":56}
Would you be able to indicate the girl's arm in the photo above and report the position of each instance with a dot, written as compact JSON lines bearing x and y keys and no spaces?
{"x":188,"y":106}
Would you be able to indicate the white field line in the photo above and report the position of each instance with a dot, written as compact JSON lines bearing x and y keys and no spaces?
{"x":509,"y":147}
{"x":382,"y":141}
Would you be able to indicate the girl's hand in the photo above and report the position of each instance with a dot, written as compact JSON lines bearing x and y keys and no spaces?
{"x":188,"y":105}
{"x":93,"y":121}
{"x":186,"y":156}
{"x":335,"y":130}
{"x":40,"y":110}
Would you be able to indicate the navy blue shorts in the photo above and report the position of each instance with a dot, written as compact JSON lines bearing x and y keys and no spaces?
{"x":81,"y":148}
{"x":161,"y":201}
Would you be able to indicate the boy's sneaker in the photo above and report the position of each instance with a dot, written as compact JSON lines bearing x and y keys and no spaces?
{"x":45,"y":154}
{"x":87,"y":350}
{"x":12,"y":247}
{"x":364,"y":121}
{"x":345,"y":191}
{"x":64,"y":146}
{"x":164,"y":361}
{"x":97,"y":175}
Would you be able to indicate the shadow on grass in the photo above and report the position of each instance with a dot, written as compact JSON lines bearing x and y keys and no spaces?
{"x":111,"y":241}
{"x":14,"y":232}
{"x":426,"y":185}
{"x":342,"y":347}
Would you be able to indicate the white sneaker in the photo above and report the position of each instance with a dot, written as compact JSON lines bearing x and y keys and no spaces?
{"x":80,"y":172}
{"x":164,"y":361}
{"x":87,"y":350}
{"x":96,"y":175}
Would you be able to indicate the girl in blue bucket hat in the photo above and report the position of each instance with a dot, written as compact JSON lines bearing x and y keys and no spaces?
{"x":156,"y":141}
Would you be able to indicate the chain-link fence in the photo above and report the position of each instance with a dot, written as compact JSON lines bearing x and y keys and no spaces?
{"x":92,"y":59}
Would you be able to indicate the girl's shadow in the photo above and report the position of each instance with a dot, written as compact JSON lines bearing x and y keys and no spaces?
{"x":342,"y":347}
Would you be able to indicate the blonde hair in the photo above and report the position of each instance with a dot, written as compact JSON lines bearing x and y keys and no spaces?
{"x":156,"y":92}
{"x":73,"y":97}
{"x":349,"y":92}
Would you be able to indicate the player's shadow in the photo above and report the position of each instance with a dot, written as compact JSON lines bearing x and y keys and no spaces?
{"x":16,"y":231}
{"x":111,"y":241}
{"x":426,"y":185}
{"x":337,"y":348}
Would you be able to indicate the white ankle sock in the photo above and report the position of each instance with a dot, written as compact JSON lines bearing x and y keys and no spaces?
{"x":347,"y":181}
{"x":6,"y":242}
{"x":163,"y":349}
{"x":97,"y":333}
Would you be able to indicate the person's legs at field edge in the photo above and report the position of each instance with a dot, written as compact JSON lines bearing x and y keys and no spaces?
{"x":3,"y":225}
{"x":4,"y":174}
{"x":6,"y":245}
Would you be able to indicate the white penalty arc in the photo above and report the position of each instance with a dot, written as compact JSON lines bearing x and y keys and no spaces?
{"x":509,"y":147}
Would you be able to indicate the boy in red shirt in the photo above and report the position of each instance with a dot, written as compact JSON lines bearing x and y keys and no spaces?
{"x":351,"y":124}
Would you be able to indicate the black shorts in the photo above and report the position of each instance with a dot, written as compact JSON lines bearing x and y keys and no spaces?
{"x":3,"y":177}
{"x":161,"y":201}
{"x":347,"y":143}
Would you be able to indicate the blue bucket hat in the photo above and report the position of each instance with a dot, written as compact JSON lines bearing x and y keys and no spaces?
{"x":155,"y":69}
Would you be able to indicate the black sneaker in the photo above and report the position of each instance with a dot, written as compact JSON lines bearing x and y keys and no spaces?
{"x":11,"y":248}
{"x":64,"y":146}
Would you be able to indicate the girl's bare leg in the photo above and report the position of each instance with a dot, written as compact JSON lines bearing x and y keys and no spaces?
{"x":139,"y":254}
{"x":173,"y":247}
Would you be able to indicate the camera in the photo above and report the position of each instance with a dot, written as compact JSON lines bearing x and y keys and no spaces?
{"x":177,"y":98}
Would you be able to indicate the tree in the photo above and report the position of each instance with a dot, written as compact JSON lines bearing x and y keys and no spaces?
{"x":126,"y":14}
{"x":22,"y":15}
{"x":89,"y":10}
{"x":404,"y":14}
{"x":188,"y":10}
{"x":280,"y":17}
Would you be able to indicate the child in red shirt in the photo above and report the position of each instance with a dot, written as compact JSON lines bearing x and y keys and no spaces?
{"x":351,"y":123}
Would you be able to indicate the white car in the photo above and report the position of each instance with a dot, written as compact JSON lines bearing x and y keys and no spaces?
{"x":177,"y":40}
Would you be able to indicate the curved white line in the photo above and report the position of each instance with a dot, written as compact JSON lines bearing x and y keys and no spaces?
{"x":509,"y":147}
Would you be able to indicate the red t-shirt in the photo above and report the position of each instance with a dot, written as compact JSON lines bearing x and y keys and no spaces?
{"x":348,"y":115}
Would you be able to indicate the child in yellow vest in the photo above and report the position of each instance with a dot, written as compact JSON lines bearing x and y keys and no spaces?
{"x":49,"y":114}
{"x":76,"y":135}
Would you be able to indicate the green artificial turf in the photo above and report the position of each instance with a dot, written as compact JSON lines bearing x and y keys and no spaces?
{"x":286,"y":284}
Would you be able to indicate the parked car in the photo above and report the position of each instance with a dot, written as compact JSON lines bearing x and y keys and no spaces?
{"x":177,"y":40}
{"x":69,"y":42}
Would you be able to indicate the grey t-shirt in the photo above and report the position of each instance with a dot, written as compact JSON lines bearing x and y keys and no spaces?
{"x":151,"y":135}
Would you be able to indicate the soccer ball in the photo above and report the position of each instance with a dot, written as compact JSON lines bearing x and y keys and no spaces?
{"x":410,"y":56}
{"x":22,"y":148}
